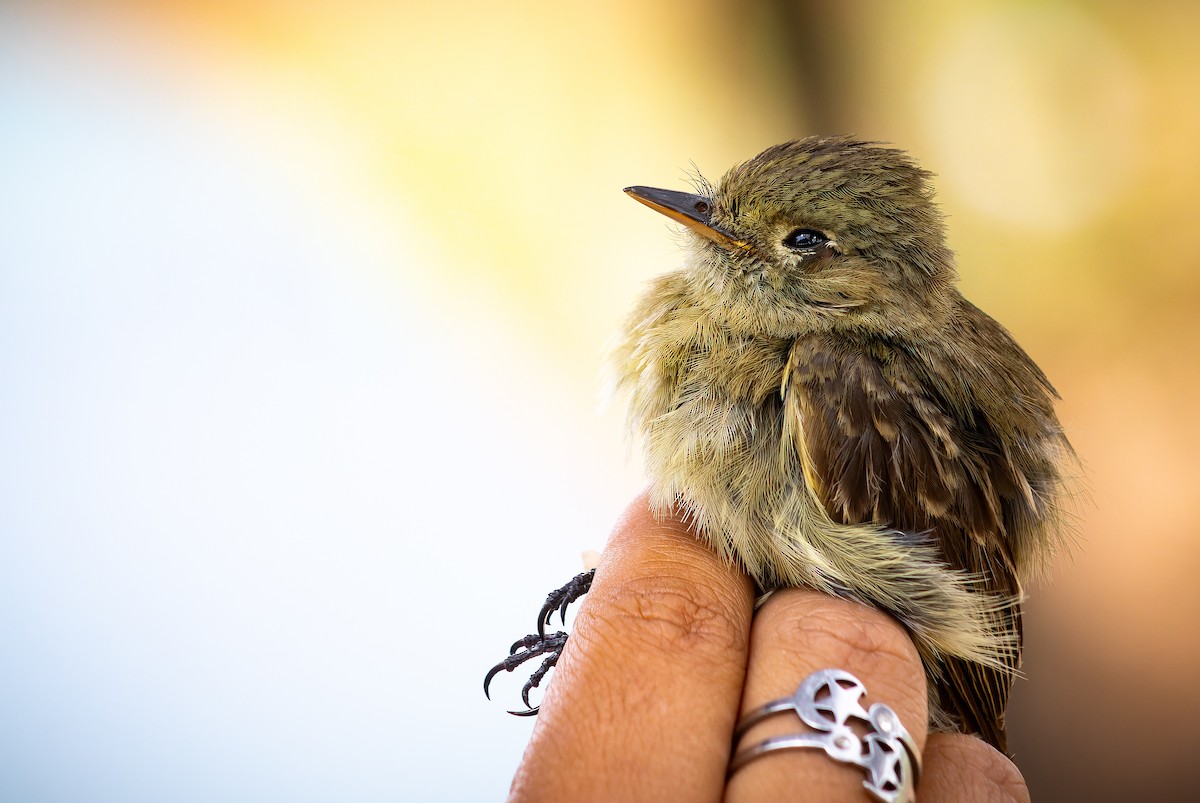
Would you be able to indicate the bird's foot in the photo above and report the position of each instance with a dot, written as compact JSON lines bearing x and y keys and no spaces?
{"x":539,"y":643}
{"x":561,"y":598}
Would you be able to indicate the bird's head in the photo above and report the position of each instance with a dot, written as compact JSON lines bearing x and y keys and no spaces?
{"x":819,"y":233}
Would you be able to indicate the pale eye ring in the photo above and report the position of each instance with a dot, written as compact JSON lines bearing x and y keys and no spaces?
{"x":805,"y":240}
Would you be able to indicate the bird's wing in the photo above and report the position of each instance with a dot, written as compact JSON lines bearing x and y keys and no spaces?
{"x":884,"y":449}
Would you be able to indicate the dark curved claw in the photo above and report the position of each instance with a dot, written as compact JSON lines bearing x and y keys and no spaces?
{"x":534,"y":680}
{"x":561,"y":598}
{"x":523,"y":650}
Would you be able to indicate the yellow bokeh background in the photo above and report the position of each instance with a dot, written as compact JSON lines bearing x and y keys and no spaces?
{"x":481,"y":148}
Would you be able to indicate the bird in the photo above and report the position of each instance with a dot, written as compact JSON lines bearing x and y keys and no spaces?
{"x":819,"y":401}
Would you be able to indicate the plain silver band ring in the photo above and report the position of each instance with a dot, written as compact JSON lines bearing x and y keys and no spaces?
{"x":828,"y":701}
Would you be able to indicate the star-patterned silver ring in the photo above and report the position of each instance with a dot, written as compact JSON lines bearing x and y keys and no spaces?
{"x":872,"y":738}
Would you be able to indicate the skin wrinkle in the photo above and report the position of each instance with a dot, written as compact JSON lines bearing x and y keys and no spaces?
{"x":869,"y":640}
{"x":665,"y":590}
{"x":606,"y":707}
{"x":877,"y":645}
{"x":668,"y":613}
{"x":960,"y":768}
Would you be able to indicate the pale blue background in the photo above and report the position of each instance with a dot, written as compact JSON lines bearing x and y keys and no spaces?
{"x":263,"y":508}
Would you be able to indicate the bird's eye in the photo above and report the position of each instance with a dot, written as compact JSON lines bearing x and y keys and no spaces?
{"x":805,"y":240}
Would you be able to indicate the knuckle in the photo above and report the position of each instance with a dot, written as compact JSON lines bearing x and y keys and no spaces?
{"x":963,"y":767}
{"x":671,"y":614}
{"x":868,"y":639}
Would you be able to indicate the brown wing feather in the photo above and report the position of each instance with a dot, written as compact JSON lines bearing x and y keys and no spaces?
{"x":885,"y":449}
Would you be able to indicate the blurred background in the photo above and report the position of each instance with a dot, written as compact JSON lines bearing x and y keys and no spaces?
{"x":302,"y":309}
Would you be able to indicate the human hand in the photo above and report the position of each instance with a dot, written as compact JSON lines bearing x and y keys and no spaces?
{"x":667,"y":655}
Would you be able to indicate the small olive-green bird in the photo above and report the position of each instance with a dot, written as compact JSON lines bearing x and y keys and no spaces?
{"x":817,"y":397}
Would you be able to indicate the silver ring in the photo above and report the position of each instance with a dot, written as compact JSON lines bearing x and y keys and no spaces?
{"x":828,"y":701}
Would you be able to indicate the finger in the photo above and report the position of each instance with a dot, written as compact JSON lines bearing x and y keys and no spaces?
{"x":648,"y":687}
{"x":962,"y":768}
{"x":796,"y":633}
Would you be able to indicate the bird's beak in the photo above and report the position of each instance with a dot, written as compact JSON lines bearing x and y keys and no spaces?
{"x":691,"y":210}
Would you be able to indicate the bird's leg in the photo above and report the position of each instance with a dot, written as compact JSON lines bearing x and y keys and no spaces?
{"x":539,"y":643}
